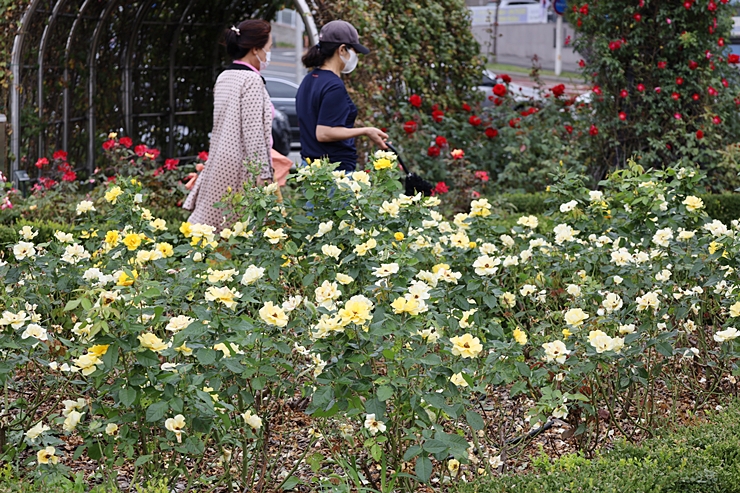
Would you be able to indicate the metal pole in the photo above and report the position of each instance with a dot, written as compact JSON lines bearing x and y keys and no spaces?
{"x":298,"y":48}
{"x":558,"y":45}
{"x":3,"y":147}
{"x":65,"y":92}
{"x":15,"y":90}
{"x":42,"y":51}
{"x":313,"y":34}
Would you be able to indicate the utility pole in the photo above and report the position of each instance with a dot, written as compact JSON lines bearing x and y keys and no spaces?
{"x":495,"y":32}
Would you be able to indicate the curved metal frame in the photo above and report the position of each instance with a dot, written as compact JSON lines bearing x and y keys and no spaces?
{"x":16,"y":67}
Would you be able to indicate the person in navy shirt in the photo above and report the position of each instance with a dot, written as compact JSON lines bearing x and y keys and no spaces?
{"x":326,"y":114}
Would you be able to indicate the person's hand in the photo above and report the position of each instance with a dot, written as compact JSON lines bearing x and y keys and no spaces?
{"x":199,"y":167}
{"x":191,"y":180}
{"x":377,"y":136}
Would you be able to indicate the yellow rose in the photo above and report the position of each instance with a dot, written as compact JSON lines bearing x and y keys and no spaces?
{"x":113,"y":194}
{"x":437,"y":267}
{"x":575,"y":317}
{"x":356,"y":310}
{"x":693,"y":203}
{"x":112,"y":238}
{"x":151,"y":341}
{"x":132,"y":241}
{"x":186,"y":229}
{"x":466,"y":346}
{"x":273,"y":315}
{"x":46,"y":455}
{"x":98,"y":350}
{"x":520,"y":336}
{"x":382,"y":163}
{"x":735,"y":310}
{"x":399,"y":236}
{"x":125,"y":280}
{"x":165,"y":249}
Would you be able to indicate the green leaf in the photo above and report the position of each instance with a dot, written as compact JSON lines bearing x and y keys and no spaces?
{"x":110,"y":358}
{"x":72,"y":304}
{"x":374,"y":406}
{"x":433,"y":446}
{"x":147,"y":358}
{"x":384,"y":393}
{"x":412,"y":452}
{"x":156,"y":411}
{"x":206,"y":356}
{"x":474,"y":420}
{"x":86,"y":304}
{"x":127,"y":396}
{"x":291,"y":483}
{"x":142,"y":460}
{"x":423,"y":469}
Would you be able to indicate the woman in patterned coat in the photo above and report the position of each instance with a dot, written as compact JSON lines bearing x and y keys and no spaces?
{"x":242,"y":125}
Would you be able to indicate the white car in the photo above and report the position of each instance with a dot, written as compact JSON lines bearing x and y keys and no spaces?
{"x":518,"y":92}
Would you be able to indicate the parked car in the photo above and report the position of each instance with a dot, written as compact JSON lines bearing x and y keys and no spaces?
{"x":282,"y":94}
{"x":281,"y":134}
{"x":518,"y":92}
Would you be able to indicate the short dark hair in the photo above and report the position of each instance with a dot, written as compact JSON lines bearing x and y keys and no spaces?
{"x":319,"y":53}
{"x":252,"y":33}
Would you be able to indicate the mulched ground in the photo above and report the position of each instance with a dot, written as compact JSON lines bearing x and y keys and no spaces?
{"x":293,"y":432}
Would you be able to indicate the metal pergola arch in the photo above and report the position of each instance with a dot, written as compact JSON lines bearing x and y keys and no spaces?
{"x":146,"y":68}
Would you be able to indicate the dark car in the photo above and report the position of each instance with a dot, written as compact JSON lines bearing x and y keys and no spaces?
{"x":282,"y":94}
{"x":281,"y":135}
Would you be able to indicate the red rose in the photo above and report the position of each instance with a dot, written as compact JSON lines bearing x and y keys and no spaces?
{"x":662,"y":65}
{"x":677,"y":116}
{"x":584,"y":9}
{"x":558,"y":90}
{"x":126,"y":142}
{"x":433,"y":151}
{"x":438,"y":115}
{"x":657,"y":89}
{"x":158,"y":171}
{"x":721,"y":42}
{"x":716,"y":120}
{"x":623,"y":93}
{"x":109,"y":144}
{"x":466,"y":106}
{"x":474,"y":120}
{"x":409,"y":127}
{"x":171,"y":164}
{"x":497,"y":101}
{"x":640,"y":87}
{"x":491,"y":132}
{"x":499,"y":90}
{"x":593,"y":130}
{"x":695,"y":97}
{"x":152,"y":153}
{"x":514,"y":122}
{"x":203,"y":156}
{"x":140,"y":150}
{"x":569,"y":129}
{"x":712,"y":6}
{"x":597,"y":90}
{"x":679,"y":80}
{"x":637,"y":17}
{"x":675,"y":96}
{"x":712,"y":91}
{"x":69,"y":176}
{"x":475,"y":194}
{"x":42,"y":162}
{"x":699,"y":134}
{"x":441,"y":188}
{"x":506,"y":78}
{"x":733,"y":58}
{"x":59,"y":156}
{"x":415,"y":101}
{"x":435,"y":107}
{"x":622,"y":115}
{"x":482,"y":175}
{"x":581,"y":63}
{"x":687,"y":5}
{"x":440,"y":141}
{"x":693,"y":65}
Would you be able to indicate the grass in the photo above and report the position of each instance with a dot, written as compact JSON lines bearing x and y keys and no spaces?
{"x":503,"y":68}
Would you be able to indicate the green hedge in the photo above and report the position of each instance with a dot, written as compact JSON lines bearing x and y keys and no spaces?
{"x":725,"y":207}
{"x":46,"y":230}
{"x":697,"y":459}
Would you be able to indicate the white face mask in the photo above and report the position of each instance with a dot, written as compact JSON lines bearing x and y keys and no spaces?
{"x":351,"y":64}
{"x":266,"y":62}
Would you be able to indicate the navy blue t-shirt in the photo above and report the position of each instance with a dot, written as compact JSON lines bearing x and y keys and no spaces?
{"x":322,"y":99}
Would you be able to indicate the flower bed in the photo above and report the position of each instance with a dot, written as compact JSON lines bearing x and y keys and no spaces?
{"x":163,"y":346}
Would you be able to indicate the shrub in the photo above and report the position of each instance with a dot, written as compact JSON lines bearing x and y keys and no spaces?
{"x":664,"y":81}
{"x":701,"y":459}
{"x":390,"y":318}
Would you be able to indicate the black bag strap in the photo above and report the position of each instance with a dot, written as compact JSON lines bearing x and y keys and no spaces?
{"x":398,"y":157}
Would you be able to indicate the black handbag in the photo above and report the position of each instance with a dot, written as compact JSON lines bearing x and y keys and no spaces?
{"x":413,"y":182}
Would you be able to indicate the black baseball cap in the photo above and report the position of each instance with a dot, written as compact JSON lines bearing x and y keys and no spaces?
{"x":344,"y":33}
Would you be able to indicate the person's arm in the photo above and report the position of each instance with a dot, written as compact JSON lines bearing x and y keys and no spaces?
{"x":334,"y":134}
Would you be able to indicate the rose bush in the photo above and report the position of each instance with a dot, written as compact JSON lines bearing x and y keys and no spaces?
{"x":147,"y":343}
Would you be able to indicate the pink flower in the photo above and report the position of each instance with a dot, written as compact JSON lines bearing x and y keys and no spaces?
{"x":482,"y":175}
{"x":457,"y":154}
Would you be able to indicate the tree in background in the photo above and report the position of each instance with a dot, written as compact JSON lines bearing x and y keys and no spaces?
{"x":665,"y":87}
